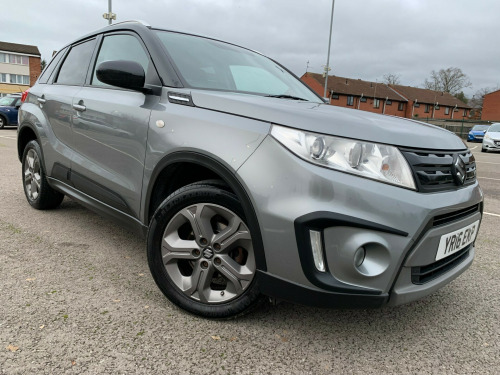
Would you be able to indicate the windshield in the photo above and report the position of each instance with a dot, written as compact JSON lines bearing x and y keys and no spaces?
{"x":210,"y":64}
{"x":482,"y":128}
{"x":7,"y":101}
{"x":494,"y":128}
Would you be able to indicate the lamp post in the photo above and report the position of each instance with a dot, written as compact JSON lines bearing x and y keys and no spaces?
{"x":327,"y":67}
{"x":110,"y":15}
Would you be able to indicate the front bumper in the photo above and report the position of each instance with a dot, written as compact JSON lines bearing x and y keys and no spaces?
{"x":475,"y":137}
{"x":396,"y":226}
{"x":491,"y":144}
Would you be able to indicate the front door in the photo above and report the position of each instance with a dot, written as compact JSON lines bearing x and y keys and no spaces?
{"x":110,"y":130}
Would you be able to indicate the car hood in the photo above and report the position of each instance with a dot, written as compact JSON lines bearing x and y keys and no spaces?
{"x":478,"y":132}
{"x":494,"y":135}
{"x":328,"y":119}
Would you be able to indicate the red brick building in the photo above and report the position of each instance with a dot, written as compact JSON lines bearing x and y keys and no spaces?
{"x":423,"y":103}
{"x":397,"y":100}
{"x":19,"y":67}
{"x":491,"y":106}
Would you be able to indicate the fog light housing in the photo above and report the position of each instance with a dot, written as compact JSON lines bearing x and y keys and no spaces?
{"x":317,"y":250}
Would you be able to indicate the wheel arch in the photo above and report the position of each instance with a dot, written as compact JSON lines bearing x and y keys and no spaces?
{"x":26,"y":134}
{"x":182,"y":168}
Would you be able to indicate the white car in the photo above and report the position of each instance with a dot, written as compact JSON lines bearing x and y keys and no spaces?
{"x":491,"y":140}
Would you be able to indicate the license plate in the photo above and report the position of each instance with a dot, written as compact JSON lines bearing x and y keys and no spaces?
{"x":455,"y":241}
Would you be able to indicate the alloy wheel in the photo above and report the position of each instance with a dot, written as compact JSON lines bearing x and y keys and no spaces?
{"x":208,"y":254}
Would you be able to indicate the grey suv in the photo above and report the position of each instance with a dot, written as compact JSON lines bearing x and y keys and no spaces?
{"x":245,"y":183}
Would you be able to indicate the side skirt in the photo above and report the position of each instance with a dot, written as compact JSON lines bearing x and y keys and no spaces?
{"x":99,"y":207}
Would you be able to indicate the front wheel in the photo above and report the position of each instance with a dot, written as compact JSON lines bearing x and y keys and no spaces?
{"x":201,"y":254}
{"x":483,"y":149}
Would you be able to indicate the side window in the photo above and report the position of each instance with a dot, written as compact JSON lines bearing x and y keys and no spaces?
{"x":120,"y":47}
{"x":74,"y":67}
{"x":47,"y":72}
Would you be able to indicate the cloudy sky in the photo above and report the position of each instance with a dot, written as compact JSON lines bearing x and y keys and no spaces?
{"x":371,"y":38}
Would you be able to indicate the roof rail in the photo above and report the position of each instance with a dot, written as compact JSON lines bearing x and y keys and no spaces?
{"x":132,"y":21}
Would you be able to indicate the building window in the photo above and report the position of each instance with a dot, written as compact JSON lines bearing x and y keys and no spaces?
{"x":446,"y":110}
{"x":13,"y":59}
{"x":427,"y":107}
{"x":416,"y":105}
{"x":350,"y":100}
{"x":15,"y":78}
{"x":335,"y":96}
{"x":401,"y":106}
{"x":465,"y":112}
{"x":363,"y":99}
{"x":437,"y":107}
{"x":376,"y":103}
{"x":388,"y":102}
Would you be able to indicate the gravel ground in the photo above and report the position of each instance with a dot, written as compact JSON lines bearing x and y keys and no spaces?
{"x":77,"y":297}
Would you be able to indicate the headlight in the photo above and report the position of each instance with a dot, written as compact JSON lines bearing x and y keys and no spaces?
{"x":487,"y":136}
{"x":371,"y":160}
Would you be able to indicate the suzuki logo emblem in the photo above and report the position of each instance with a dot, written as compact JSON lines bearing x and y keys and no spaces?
{"x":459,"y":170}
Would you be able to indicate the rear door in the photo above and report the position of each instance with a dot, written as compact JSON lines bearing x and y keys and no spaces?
{"x":56,"y":98}
{"x":111,"y":127}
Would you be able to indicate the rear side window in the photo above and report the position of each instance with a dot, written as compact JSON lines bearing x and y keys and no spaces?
{"x":47,"y":72}
{"x":120,"y":47}
{"x":74,"y":67}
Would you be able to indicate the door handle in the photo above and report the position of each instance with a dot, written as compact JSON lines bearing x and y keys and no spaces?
{"x":41,"y":100}
{"x":79,"y":107}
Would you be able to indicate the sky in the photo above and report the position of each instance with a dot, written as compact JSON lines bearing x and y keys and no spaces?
{"x":370,"y":38}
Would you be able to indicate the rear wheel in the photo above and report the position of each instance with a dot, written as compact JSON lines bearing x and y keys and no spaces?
{"x":36,"y":188}
{"x":201,"y":254}
{"x":3,"y":122}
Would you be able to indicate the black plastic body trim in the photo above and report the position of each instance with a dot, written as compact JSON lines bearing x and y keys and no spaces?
{"x":62,"y":173}
{"x":319,"y":221}
{"x":276,"y":287}
{"x":228,"y":177}
{"x":99,"y":192}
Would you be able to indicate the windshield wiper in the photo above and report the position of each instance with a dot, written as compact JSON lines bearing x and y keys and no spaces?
{"x":283,"y":96}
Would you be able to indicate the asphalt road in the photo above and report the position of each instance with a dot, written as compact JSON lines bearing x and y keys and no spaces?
{"x":77,"y":298}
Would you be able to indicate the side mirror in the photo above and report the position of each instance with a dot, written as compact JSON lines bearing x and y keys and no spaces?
{"x":122,"y":73}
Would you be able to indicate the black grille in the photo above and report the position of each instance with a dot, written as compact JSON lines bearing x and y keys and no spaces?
{"x":433,"y":169}
{"x":424,"y":274}
{"x":455,"y":215}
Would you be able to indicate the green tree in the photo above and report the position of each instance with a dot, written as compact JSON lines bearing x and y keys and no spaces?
{"x":43,"y":63}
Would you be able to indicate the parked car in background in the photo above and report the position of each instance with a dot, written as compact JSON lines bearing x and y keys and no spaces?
{"x":244,"y":181}
{"x":491,"y":140}
{"x":9,"y":106}
{"x":476,"y":134}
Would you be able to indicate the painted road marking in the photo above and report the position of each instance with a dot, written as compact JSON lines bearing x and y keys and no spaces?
{"x":486,"y":162}
{"x":473,"y":148}
{"x":489,"y":178}
{"x":488,"y":213}
{"x":3,"y":136}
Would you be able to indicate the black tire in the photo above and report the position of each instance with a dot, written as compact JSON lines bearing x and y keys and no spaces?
{"x":36,"y":188}
{"x":3,"y":122}
{"x":483,"y":149}
{"x":209,"y":197}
